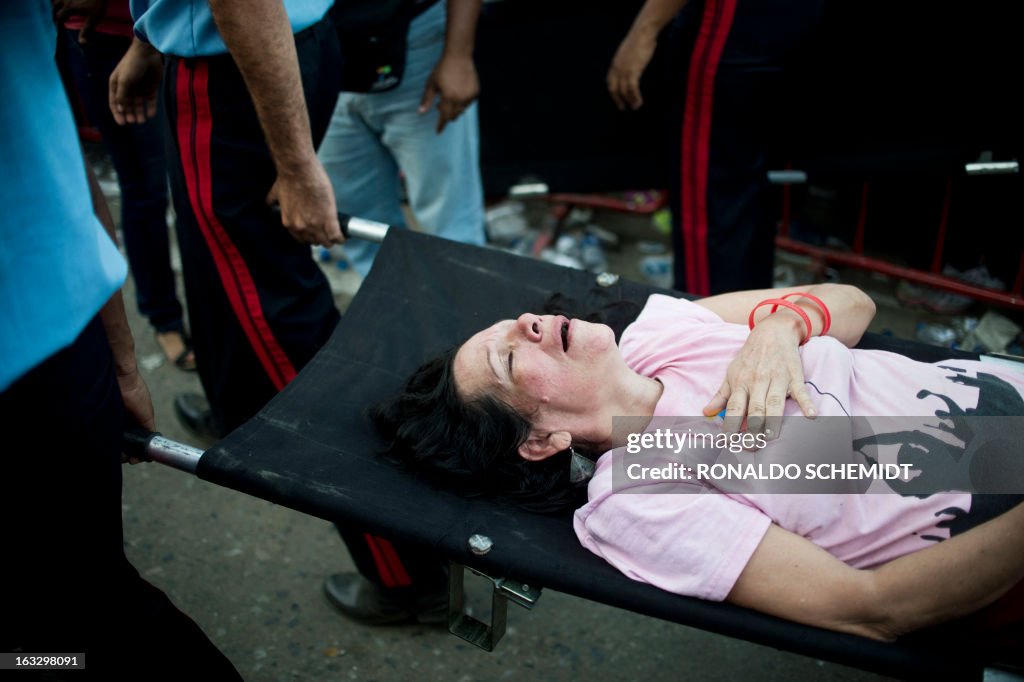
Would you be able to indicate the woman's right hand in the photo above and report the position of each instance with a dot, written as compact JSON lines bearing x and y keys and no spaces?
{"x":632,"y":57}
{"x":766,"y":372}
{"x":768,"y":369}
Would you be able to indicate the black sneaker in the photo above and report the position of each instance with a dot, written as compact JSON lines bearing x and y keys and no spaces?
{"x":370,"y":604}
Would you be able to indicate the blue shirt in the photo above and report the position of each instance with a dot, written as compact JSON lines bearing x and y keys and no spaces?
{"x":57,"y":264}
{"x":185,"y":28}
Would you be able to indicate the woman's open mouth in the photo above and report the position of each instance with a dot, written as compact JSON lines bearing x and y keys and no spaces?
{"x":565,"y":336}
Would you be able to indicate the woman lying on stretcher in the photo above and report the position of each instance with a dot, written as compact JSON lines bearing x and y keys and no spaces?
{"x":499,"y":415}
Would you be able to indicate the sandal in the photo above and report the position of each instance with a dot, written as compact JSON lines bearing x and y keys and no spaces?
{"x":185,"y":359}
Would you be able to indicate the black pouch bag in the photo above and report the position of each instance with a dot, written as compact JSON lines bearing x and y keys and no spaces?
{"x":372,"y":36}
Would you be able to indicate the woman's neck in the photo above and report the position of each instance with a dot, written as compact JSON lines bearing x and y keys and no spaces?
{"x":636,"y":398}
{"x":646,"y":396}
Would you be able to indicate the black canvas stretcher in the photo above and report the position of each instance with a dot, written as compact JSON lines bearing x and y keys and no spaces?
{"x":312,"y":449}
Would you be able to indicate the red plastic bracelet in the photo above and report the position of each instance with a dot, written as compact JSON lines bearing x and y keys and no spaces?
{"x":826,"y":315}
{"x":776,"y":302}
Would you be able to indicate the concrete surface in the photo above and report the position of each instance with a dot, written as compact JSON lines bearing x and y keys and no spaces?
{"x":251,"y":573}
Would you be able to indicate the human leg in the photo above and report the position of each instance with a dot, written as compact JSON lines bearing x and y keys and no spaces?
{"x":724,"y":220}
{"x":396,"y":582}
{"x":375,"y":136}
{"x":262,"y":307}
{"x":442,"y":171}
{"x":362,"y":171}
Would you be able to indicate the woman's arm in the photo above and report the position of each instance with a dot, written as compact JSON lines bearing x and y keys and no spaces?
{"x":852,"y":310}
{"x":768,"y":369}
{"x":790,"y":577}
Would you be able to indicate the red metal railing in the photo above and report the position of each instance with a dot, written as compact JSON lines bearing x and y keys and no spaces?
{"x":855,"y":258}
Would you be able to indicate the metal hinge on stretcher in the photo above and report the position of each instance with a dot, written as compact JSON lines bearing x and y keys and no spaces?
{"x":503,"y":590}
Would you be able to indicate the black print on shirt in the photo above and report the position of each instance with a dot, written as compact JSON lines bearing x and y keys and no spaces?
{"x":983,"y":456}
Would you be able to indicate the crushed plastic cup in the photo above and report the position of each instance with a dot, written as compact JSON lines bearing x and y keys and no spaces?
{"x":936,"y":334}
{"x":592,"y":254}
{"x":552,"y":256}
{"x":506,"y":222}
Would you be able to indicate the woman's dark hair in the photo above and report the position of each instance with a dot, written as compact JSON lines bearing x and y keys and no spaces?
{"x":473,"y":445}
{"x":600,"y":307}
{"x":470,"y":445}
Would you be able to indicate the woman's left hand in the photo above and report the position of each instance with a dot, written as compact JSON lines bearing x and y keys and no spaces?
{"x":766,"y":371}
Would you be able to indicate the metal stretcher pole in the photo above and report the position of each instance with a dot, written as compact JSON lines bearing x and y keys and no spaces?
{"x":154,"y":447}
{"x":356,"y":228}
{"x":360,"y":228}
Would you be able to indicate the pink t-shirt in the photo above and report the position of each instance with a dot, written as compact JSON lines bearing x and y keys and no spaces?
{"x":698,"y":543}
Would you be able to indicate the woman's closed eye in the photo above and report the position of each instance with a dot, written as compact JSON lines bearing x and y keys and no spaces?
{"x":510,"y":365}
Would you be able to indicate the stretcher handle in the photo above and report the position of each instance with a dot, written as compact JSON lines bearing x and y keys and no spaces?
{"x":135,"y":441}
{"x":150,"y":446}
{"x":354,"y":227}
{"x":361,"y":228}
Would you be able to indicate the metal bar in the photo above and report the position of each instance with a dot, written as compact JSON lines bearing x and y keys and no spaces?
{"x":610,"y":203}
{"x":797,"y":177}
{"x":789,"y":176}
{"x":527,"y":190}
{"x":173,"y":454}
{"x":360,"y":228}
{"x":855,"y":260}
{"x":992,"y":168}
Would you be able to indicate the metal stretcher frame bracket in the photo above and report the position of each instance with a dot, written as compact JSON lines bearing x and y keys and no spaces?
{"x":311,"y":449}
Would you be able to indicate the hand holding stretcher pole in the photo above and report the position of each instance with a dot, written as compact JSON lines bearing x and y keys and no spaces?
{"x":355,"y":227}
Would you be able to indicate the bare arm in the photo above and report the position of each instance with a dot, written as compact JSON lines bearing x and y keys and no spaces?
{"x":134,"y":391}
{"x":636,"y":50}
{"x":790,"y":577}
{"x":852,"y":310}
{"x":259,"y":37}
{"x":768,"y":369}
{"x":455,"y":78}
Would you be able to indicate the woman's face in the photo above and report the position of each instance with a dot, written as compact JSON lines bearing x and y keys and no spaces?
{"x":541,"y":365}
